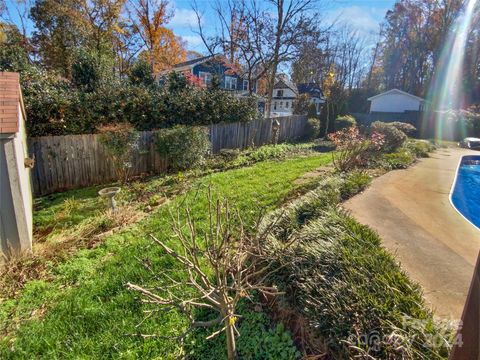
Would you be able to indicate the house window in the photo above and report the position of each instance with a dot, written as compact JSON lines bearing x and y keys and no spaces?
{"x":230,"y":83}
{"x":281,"y":104}
{"x":245,"y":85}
{"x":206,"y":78}
{"x":274,"y":105}
{"x":286,"y":105}
{"x":279,"y":93}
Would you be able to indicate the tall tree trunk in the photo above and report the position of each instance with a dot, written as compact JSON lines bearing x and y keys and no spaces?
{"x":270,"y":84}
{"x":369,"y":79}
{"x":327,"y":124}
{"x":275,"y":60}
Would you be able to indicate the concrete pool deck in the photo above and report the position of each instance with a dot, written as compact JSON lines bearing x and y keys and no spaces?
{"x":411,"y":211}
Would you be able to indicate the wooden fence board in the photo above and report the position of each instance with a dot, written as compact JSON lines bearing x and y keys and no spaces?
{"x":72,"y":161}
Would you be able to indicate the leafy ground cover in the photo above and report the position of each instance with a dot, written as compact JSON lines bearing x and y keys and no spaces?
{"x":84,"y":310}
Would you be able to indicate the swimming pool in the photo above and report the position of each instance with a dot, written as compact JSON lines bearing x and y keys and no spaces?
{"x":465,"y":195}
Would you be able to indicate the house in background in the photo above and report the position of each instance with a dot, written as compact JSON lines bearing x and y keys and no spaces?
{"x":285,"y":92}
{"x":314,"y":93}
{"x":395,"y":101}
{"x":285,"y":95}
{"x":231,"y":78}
{"x":205,"y":68}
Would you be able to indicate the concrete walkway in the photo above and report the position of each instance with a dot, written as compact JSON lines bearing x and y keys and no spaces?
{"x":435,"y":245}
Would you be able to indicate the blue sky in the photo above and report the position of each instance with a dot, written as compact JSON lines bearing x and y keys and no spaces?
{"x":363,"y":15}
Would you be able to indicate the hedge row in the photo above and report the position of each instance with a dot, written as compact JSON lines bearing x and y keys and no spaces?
{"x":56,"y":107}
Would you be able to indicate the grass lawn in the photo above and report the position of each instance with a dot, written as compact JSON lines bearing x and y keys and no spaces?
{"x":86,"y":312}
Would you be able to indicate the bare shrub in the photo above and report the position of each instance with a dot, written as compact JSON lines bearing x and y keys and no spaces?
{"x":223,"y":249}
{"x":353,"y":149}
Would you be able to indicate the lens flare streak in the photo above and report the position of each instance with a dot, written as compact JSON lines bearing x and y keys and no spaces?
{"x":446,"y":90}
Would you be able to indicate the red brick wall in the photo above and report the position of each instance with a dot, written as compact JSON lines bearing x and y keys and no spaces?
{"x":9,"y":102}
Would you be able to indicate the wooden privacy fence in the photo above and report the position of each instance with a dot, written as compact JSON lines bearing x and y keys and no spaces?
{"x":73,"y":161}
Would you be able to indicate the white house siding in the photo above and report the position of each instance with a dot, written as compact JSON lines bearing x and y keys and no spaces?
{"x":282,"y":102}
{"x":395,"y":102}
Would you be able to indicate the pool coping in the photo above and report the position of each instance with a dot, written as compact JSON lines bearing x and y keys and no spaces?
{"x":452,"y":188}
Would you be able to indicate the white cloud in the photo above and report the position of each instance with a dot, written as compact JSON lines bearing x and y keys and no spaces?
{"x":366,"y":20}
{"x":193,"y":41}
{"x":183,"y":18}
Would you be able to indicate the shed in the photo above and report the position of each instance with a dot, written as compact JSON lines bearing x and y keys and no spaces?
{"x":395,"y":101}
{"x":15,"y":189}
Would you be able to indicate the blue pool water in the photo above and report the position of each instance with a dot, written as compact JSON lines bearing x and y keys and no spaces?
{"x":466,"y":193}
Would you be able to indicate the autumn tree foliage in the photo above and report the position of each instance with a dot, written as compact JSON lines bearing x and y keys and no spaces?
{"x":413,"y":38}
{"x":118,"y":30}
{"x":163,"y":47}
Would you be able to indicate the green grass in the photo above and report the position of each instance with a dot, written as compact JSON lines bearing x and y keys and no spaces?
{"x":86,"y":312}
{"x":59,"y":213}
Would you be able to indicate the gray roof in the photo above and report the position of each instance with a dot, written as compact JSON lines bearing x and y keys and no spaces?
{"x":194,"y":61}
{"x":311,"y":89}
{"x":395,"y":91}
{"x":285,"y":83}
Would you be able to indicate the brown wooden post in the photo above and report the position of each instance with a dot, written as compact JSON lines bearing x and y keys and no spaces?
{"x":467,"y":346}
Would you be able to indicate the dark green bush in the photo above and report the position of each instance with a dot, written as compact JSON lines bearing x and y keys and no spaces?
{"x":141,"y":73}
{"x":13,"y":52}
{"x":355,"y":182}
{"x":470,"y":120}
{"x":406,"y":128}
{"x":185,"y":147}
{"x":89,"y":71}
{"x":344,"y":122}
{"x":419,"y":148}
{"x":394,"y":138}
{"x":49,"y":100}
{"x":56,"y":106}
{"x":312,"y":129}
{"x":398,"y":160}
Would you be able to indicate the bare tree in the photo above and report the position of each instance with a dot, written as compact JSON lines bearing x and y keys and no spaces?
{"x":260,"y":36}
{"x":21,"y":12}
{"x":235,"y":259}
{"x":239,"y":31}
{"x":287,"y":29}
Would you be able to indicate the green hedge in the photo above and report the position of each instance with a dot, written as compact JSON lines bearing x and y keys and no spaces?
{"x":344,"y":122}
{"x":55,"y":106}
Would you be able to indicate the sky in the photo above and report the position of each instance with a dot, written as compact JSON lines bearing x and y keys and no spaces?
{"x":363,"y":15}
